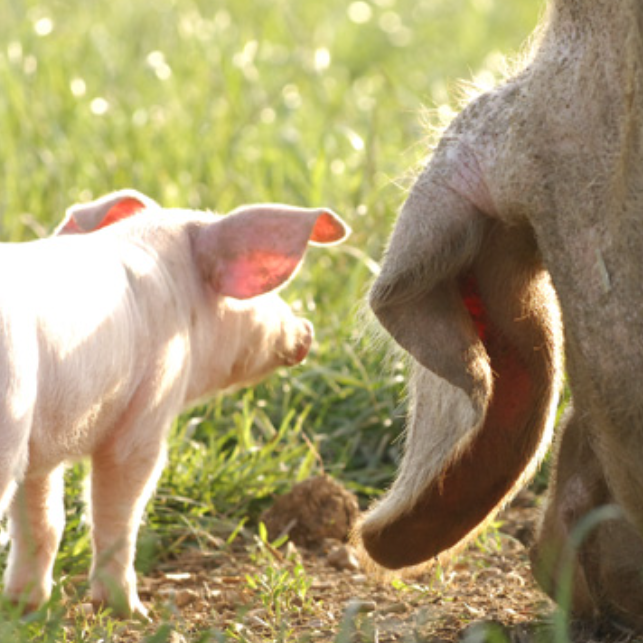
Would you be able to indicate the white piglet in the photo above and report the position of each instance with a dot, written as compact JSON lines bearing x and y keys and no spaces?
{"x":106,"y":337}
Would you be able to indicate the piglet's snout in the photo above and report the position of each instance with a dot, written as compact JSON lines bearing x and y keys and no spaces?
{"x":302,"y":341}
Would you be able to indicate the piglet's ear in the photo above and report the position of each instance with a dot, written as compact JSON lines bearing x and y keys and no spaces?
{"x":256,"y":249}
{"x":329,"y":229}
{"x":87,"y":217}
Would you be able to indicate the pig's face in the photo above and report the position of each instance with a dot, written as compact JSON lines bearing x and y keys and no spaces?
{"x":529,"y":214}
{"x":273,"y":336}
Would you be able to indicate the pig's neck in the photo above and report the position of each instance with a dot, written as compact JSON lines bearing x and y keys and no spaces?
{"x":592,"y":55}
{"x":612,"y":25}
{"x":597,"y":10}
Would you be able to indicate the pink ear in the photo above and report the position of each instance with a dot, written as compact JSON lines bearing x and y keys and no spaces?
{"x":329,"y":229}
{"x":254,"y":273}
{"x":122,"y":210}
{"x":257,"y":249}
{"x":88,"y":217}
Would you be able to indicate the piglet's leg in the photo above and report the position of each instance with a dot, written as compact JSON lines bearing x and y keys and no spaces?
{"x":122,"y":483}
{"x":36,"y":524}
{"x":14,"y":436}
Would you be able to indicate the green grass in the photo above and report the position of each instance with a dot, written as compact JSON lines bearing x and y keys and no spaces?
{"x":212,"y":104}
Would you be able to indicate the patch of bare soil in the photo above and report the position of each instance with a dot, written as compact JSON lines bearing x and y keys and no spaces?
{"x":236,"y":590}
{"x":491,"y":582}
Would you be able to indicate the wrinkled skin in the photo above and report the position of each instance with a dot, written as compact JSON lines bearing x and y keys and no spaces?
{"x":528,"y":220}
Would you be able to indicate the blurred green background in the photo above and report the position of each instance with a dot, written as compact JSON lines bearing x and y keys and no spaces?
{"x":213,"y":104}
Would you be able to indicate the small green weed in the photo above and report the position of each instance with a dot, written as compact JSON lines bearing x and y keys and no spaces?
{"x":281,"y":584}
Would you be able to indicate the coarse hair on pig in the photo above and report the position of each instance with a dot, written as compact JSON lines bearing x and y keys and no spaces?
{"x":525,"y":228}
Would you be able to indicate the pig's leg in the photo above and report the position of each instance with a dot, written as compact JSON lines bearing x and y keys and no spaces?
{"x":36,"y":511}
{"x":16,"y":412}
{"x":37,"y":519}
{"x":605,"y":566}
{"x":576,"y":487}
{"x":13,"y":461}
{"x":123,"y":478}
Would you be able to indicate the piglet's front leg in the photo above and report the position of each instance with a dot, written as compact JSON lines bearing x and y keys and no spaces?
{"x":122,"y":483}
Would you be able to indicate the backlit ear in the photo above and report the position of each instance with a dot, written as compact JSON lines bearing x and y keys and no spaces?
{"x":469,"y":300}
{"x":256,"y":249}
{"x":116,"y":206}
{"x":329,"y":229}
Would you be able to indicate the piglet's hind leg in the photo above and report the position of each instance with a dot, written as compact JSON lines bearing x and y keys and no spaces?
{"x":36,"y":524}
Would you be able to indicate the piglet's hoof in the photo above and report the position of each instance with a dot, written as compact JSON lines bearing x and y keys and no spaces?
{"x":120,"y":609}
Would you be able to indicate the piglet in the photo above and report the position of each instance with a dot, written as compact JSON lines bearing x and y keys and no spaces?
{"x":128,"y":315}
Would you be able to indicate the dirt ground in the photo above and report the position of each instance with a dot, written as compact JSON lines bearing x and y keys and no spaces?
{"x":489,"y":587}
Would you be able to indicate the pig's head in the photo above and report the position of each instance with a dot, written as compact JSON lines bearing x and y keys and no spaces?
{"x":527,"y":215}
{"x":246,"y":257}
{"x":242,"y":260}
{"x":470,"y":301}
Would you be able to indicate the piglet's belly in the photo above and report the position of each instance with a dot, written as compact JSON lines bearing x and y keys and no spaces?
{"x":69,"y":433}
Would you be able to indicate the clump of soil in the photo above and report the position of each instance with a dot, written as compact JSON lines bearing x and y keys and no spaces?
{"x":314,"y":510}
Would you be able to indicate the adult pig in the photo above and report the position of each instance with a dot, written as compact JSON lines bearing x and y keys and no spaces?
{"x":530,"y":211}
{"x":106,"y":336}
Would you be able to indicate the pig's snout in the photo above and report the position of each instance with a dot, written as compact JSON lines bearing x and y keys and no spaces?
{"x":302,"y":342}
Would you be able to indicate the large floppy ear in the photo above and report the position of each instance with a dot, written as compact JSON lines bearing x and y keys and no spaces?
{"x":113,"y":207}
{"x":256,"y":249}
{"x":467,"y":297}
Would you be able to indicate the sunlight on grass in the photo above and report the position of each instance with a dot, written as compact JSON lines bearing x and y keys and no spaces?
{"x":212,"y":105}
